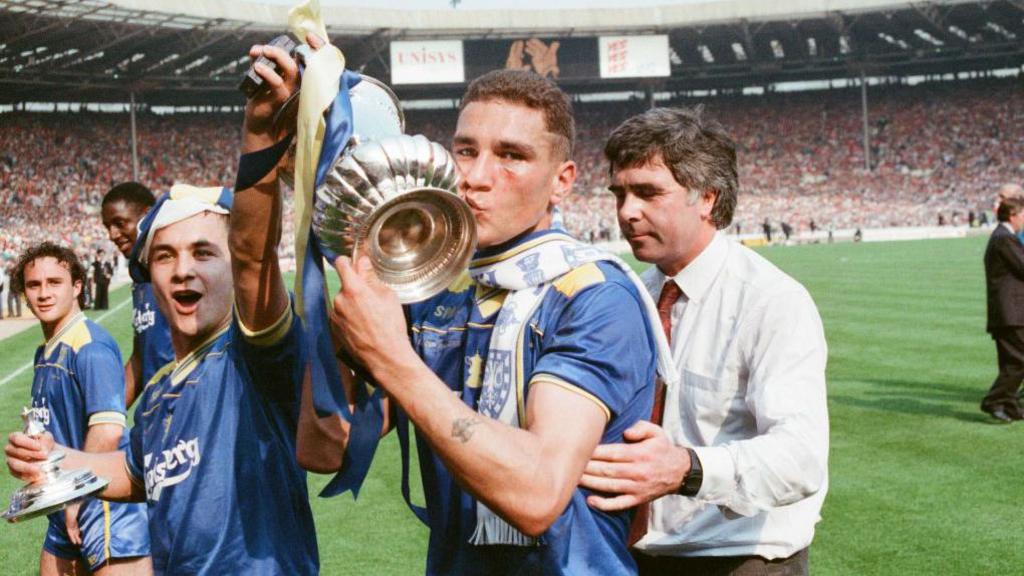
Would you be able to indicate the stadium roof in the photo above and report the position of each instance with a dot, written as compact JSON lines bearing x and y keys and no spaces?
{"x":185,"y":52}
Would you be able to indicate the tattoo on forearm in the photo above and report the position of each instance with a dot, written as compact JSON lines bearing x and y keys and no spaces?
{"x":462,"y":428}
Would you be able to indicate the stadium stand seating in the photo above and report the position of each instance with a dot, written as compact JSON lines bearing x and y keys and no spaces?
{"x":937,"y":149}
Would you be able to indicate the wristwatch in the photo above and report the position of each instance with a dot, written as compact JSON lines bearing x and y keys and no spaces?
{"x":694,"y":478}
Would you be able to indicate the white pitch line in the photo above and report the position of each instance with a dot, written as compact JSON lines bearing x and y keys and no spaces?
{"x":98,"y":319}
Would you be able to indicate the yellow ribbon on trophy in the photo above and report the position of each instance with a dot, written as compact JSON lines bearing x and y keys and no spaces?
{"x":319,"y":86}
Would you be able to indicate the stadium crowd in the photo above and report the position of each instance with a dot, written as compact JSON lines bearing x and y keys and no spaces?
{"x":938,"y":151}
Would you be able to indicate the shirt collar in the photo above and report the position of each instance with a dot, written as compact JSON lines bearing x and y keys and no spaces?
{"x":51,"y":344}
{"x":696,"y":277}
{"x":1008,"y":227}
{"x":185,"y":366}
{"x":524,"y":238}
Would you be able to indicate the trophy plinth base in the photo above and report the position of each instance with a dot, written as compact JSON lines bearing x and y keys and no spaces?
{"x":54,"y":492}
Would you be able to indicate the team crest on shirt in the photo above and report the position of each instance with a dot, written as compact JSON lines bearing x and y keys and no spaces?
{"x":144,"y":319}
{"x":497,"y":382}
{"x":170,"y":467}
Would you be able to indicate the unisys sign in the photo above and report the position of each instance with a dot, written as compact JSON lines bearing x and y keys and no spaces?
{"x":427,"y":62}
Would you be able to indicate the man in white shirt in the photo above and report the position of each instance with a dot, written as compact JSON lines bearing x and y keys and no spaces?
{"x":733,"y":479}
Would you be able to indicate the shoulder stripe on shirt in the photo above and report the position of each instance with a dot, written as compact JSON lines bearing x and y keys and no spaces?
{"x":77,"y":336}
{"x":57,"y":338}
{"x":579,"y":278}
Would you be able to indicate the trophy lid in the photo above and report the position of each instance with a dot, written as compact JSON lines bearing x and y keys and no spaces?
{"x":376,"y":114}
{"x":376,"y":111}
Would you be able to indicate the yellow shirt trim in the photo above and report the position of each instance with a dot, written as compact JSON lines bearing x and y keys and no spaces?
{"x":108,"y":417}
{"x":489,"y":300}
{"x":578,"y":279}
{"x":518,"y":250}
{"x":461,"y":283}
{"x":180,"y":370}
{"x":75,"y":334}
{"x":271,"y":334}
{"x":551,"y":379}
{"x":106,"y":531}
{"x":163,"y":371}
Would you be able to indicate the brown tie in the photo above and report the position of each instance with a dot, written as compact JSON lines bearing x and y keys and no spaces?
{"x":670,"y":292}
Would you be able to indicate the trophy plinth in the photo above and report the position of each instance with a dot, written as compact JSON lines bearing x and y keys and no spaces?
{"x":56,"y":489}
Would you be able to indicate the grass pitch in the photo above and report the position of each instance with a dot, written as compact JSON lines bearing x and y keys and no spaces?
{"x":920,"y":480}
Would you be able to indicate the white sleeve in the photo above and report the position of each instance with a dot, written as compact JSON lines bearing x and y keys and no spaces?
{"x":785,"y":353}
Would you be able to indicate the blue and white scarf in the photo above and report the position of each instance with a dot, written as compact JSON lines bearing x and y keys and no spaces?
{"x":527,"y":272}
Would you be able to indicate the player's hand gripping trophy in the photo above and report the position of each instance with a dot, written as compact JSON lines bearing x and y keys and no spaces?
{"x":56,"y":488}
{"x":390,"y":196}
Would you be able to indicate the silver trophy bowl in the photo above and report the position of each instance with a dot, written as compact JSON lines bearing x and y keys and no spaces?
{"x":57,"y":489}
{"x":394,"y":199}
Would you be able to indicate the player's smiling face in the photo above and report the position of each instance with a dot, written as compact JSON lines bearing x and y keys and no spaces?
{"x":190,"y":268}
{"x":121,"y":221}
{"x":50,"y":293}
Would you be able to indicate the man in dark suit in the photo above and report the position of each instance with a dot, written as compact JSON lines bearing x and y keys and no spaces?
{"x":102,"y":271}
{"x":1004,"y":281}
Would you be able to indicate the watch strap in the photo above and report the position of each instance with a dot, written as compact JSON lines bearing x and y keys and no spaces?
{"x":694,"y":478}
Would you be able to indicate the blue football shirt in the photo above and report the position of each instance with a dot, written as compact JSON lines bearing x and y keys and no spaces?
{"x":214,"y":446}
{"x":79,"y":382}
{"x":152,"y":334}
{"x":589,"y":334}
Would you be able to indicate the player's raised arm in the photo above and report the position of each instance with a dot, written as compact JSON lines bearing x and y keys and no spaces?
{"x":255,"y":228}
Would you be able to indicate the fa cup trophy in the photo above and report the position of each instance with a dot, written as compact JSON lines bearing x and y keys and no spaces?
{"x":56,"y":489}
{"x":393,"y":198}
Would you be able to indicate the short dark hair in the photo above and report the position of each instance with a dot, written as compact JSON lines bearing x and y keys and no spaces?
{"x":62,"y":254}
{"x":531,"y":90}
{"x":696,"y":149}
{"x":1009,"y":207}
{"x":130,"y":193}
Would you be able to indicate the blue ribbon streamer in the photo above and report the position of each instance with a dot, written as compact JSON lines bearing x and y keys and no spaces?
{"x":402,"y":428}
{"x":329,"y":398}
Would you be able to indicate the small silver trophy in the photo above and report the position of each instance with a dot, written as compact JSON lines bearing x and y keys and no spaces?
{"x":57,"y":488}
